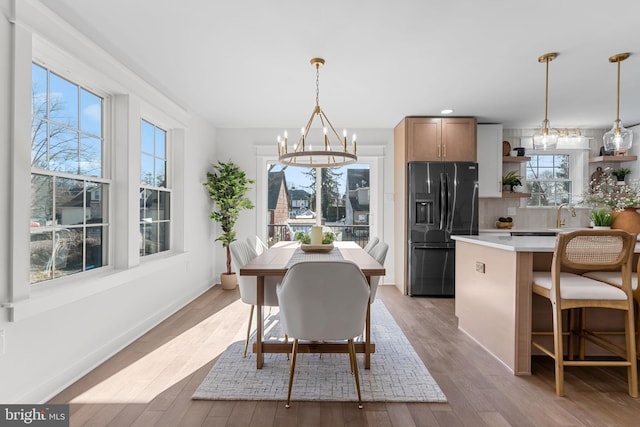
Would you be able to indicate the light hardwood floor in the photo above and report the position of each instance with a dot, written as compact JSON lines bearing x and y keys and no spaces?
{"x":150,"y":382}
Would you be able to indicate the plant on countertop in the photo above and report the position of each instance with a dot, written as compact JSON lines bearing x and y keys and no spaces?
{"x":602,"y":217}
{"x":327,"y":237}
{"x":227,"y":186}
{"x":603,"y":191}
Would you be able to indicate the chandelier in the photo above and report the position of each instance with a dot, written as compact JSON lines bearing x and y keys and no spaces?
{"x":321,"y":153}
{"x":546,"y":137}
{"x":618,"y":139}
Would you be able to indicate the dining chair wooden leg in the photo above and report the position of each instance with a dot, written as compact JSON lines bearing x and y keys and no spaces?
{"x":354,"y":367}
{"x":294,"y":352}
{"x":632,"y":370}
{"x":246,"y":342}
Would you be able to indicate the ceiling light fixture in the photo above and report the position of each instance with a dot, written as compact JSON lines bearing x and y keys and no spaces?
{"x":546,"y":137}
{"x":618,"y":139}
{"x":447,"y":111}
{"x":303,"y":154}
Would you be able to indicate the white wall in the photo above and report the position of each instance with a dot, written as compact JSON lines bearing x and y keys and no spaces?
{"x":243,"y":146}
{"x":61,"y":332}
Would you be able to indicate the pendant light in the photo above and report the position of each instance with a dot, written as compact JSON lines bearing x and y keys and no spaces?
{"x":618,"y":139}
{"x":546,"y":137}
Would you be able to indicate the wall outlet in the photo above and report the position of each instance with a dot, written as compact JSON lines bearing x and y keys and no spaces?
{"x":511,"y":211}
{"x":480,"y":267}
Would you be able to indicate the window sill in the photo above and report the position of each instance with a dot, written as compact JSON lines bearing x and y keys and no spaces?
{"x":56,"y":294}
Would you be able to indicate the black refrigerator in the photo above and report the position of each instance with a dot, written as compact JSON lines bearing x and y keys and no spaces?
{"x":443,"y":201}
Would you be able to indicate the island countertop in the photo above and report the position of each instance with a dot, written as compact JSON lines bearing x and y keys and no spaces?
{"x":512,"y":243}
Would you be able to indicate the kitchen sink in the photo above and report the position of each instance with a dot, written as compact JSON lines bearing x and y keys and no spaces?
{"x":547,"y":232}
{"x":533,"y":233}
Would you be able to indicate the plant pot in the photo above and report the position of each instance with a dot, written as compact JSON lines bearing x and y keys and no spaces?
{"x":228,"y":281}
{"x":627,"y":220}
{"x":602,"y":227}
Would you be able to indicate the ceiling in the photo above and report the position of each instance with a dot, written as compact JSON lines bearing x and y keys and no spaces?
{"x":245,"y":63}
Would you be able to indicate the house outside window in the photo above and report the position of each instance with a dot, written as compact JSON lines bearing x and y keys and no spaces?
{"x":69,"y":193}
{"x":155,"y":196}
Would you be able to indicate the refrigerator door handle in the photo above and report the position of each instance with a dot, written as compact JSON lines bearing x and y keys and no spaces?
{"x":444,"y":201}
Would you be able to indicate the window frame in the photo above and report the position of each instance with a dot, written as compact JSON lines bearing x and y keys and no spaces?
{"x":161,"y":189}
{"x":578,"y":170}
{"x":103,"y":179}
{"x":371,"y":155}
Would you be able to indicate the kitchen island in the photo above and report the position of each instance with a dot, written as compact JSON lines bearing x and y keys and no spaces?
{"x":494,"y":302}
{"x":493,"y":292}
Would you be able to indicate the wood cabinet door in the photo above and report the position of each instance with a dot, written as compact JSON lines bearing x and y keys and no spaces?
{"x":459,"y":139}
{"x":424,"y":139}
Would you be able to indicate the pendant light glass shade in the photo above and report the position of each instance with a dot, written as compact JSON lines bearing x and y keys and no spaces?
{"x":546,"y":137}
{"x":618,"y":139}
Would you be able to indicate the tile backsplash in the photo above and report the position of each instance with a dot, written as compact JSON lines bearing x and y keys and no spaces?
{"x":491,"y":209}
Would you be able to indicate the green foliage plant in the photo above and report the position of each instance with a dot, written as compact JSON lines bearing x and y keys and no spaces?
{"x":602,"y":217}
{"x":227,"y":185}
{"x":621,"y":173}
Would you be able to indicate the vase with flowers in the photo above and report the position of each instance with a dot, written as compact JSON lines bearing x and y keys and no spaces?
{"x":605,"y":192}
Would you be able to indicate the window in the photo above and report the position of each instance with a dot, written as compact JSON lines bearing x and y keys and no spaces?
{"x":155,"y":197}
{"x":69,"y":203}
{"x":552,"y":177}
{"x":344,"y":201}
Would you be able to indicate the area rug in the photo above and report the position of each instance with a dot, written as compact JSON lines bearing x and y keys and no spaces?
{"x":397,"y":374}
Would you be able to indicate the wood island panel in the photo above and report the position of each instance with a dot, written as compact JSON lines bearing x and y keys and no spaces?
{"x":490,"y":309}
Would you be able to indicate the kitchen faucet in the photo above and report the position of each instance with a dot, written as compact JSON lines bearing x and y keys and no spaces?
{"x":559,"y":220}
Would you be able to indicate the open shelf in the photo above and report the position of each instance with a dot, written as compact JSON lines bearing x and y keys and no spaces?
{"x":600,"y":159}
{"x":515,"y":159}
{"x":510,"y":195}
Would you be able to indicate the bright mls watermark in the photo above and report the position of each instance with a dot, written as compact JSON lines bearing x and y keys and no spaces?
{"x":34,"y":415}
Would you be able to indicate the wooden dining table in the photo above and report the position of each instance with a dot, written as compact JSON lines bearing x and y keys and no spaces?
{"x":275,"y":262}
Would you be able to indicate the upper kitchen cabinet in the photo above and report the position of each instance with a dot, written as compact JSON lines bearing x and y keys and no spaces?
{"x":490,"y":160}
{"x":438,"y":139}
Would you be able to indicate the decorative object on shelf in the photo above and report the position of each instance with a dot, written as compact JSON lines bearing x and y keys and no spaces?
{"x":604,"y":191}
{"x":602,"y":217}
{"x":618,"y":139}
{"x":303,"y":154}
{"x":620,"y":174}
{"x":604,"y":152}
{"x":227,"y":186}
{"x":520,"y":151}
{"x":506,"y":148}
{"x":546,"y":137}
{"x":504,"y":222}
{"x":510,"y":180}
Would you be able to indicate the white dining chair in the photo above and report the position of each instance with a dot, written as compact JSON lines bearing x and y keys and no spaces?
{"x":257,"y":244}
{"x":379,"y":253}
{"x":323,"y":301}
{"x":241,"y":254}
{"x":371,"y":244}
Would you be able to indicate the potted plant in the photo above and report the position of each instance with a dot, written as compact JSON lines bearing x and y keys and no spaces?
{"x":227,"y":186}
{"x":621,"y":173}
{"x":510,"y":180}
{"x":602,"y":217}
